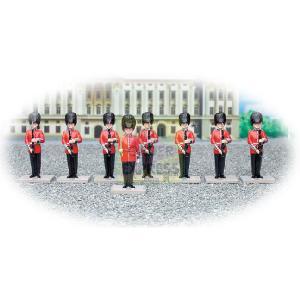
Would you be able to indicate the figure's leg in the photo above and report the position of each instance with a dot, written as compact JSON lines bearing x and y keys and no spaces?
{"x":222,"y":165}
{"x":38,"y":169}
{"x":150,"y":162}
{"x":144,"y":161}
{"x":217,"y":171}
{"x":75,"y":164}
{"x":132,"y":167}
{"x":258,"y":166}
{"x":31,"y":156}
{"x":186,"y":165}
{"x":181,"y":165}
{"x":106,"y":165}
{"x":112,"y":165}
{"x":69,"y":165}
{"x":253,"y":172}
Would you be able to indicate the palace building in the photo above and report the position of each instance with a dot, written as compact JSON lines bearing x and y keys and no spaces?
{"x":166,"y":99}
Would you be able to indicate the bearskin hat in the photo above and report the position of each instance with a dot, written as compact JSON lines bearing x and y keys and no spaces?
{"x":70,"y":118}
{"x":109,"y":118}
{"x":147,"y":117}
{"x":220,"y":118}
{"x":184,"y":118}
{"x":256,"y":117}
{"x":128,"y":121}
{"x":34,"y":118}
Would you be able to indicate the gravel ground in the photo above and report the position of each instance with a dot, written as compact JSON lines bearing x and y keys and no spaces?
{"x":163,"y":203}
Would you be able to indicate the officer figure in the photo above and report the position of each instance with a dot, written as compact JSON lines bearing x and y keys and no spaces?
{"x":33,"y":139}
{"x":183,"y":139}
{"x":70,"y":138}
{"x":147,"y":138}
{"x":256,"y":139}
{"x":129,"y":150}
{"x":220,"y":138}
{"x":107,"y":139}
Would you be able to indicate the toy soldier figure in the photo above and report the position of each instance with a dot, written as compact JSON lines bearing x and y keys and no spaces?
{"x":129,"y":150}
{"x":220,"y":138}
{"x":107,"y":139}
{"x":183,"y":139}
{"x":70,"y":138}
{"x":147,"y":138}
{"x":33,"y":139}
{"x":256,"y":138}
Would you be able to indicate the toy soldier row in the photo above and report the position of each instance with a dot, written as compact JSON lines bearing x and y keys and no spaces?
{"x":129,"y":145}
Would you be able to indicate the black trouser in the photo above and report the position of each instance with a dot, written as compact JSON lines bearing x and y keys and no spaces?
{"x":220,"y":164}
{"x":128,"y":171}
{"x":184,"y":163}
{"x":256,"y":161}
{"x":147,"y":163}
{"x":72,"y":164}
{"x":109,"y":163}
{"x":35,"y":161}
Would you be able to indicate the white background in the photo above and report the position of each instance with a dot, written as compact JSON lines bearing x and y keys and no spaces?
{"x":252,"y":44}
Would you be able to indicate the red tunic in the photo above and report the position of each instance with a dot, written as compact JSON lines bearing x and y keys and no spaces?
{"x":143,"y":139}
{"x":104,"y":140}
{"x":131,"y":148}
{"x":253,"y":139}
{"x":65,"y":140}
{"x":179,"y":140}
{"x":37,"y":133}
{"x":216,"y":139}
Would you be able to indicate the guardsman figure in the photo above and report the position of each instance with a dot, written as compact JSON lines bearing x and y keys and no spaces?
{"x":129,"y":149}
{"x":70,"y":138}
{"x":256,"y":138}
{"x":107,"y":139}
{"x":183,"y":139}
{"x":33,"y":139}
{"x":147,"y":138}
{"x":220,"y":137}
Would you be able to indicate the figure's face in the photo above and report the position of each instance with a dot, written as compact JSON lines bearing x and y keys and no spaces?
{"x":128,"y":130}
{"x":109,"y":126}
{"x":220,"y":125}
{"x":34,"y":125}
{"x":184,"y":125}
{"x":147,"y":125}
{"x":257,"y":125}
{"x":71,"y":125}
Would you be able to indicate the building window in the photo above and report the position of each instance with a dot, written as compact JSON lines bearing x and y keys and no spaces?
{"x":86,"y":123}
{"x":89,"y":95}
{"x":69,"y":96}
{"x":184,"y":108}
{"x":108,"y":108}
{"x":57,"y":129}
{"x":184,"y":95}
{"x":161,"y":109}
{"x":70,"y":107}
{"x":211,"y":95}
{"x":211,"y":111}
{"x":126,"y":108}
{"x":98,"y":94}
{"x":98,"y":110}
{"x":23,"y":129}
{"x":173,"y":95}
{"x":161,"y":95}
{"x":150,"y":108}
{"x":108,"y":94}
{"x":173,"y":109}
{"x":127,"y":95}
{"x":47,"y":129}
{"x":196,"y":94}
{"x":173,"y":129}
{"x":12,"y":129}
{"x":86,"y":130}
{"x":58,"y":111}
{"x":220,"y":95}
{"x":150,"y":95}
{"x":88,"y":109}
{"x":138,"y":129}
{"x":220,"y":108}
{"x":139,"y":95}
{"x":230,"y":110}
{"x":228,"y":129}
{"x":196,"y":110}
{"x":138,"y":109}
{"x":230,"y":96}
{"x":35,"y":108}
{"x":47,"y":109}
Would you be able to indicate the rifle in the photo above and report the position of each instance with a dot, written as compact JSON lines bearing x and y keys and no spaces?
{"x":223,"y":146}
{"x":108,"y":143}
{"x":149,"y":145}
{"x":32,"y":143}
{"x":260,"y":145}
{"x":70,"y":147}
{"x":186,"y":146}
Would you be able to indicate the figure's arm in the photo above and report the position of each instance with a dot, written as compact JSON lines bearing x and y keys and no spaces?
{"x":227,"y":137}
{"x":264,"y":137}
{"x":79,"y":138}
{"x":42,"y":138}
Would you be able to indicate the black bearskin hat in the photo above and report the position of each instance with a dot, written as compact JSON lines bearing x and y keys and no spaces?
{"x":70,"y":118}
{"x":34,"y":118}
{"x":256,"y":117}
{"x":128,"y":121}
{"x":220,"y":118}
{"x":184,"y":118}
{"x":147,"y":117}
{"x":109,"y":118}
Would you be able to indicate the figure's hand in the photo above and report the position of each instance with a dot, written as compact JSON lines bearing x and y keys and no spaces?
{"x":110,"y":140}
{"x":30,"y":150}
{"x":183,"y":151}
{"x":262,"y":140}
{"x":70,"y":152}
{"x":257,"y":151}
{"x":33,"y":140}
{"x":224,"y":141}
{"x":187,"y":141}
{"x":220,"y":151}
{"x":147,"y":151}
{"x":106,"y":150}
{"x":72,"y":141}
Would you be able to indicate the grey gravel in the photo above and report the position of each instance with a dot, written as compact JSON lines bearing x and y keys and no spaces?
{"x":163,"y":203}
